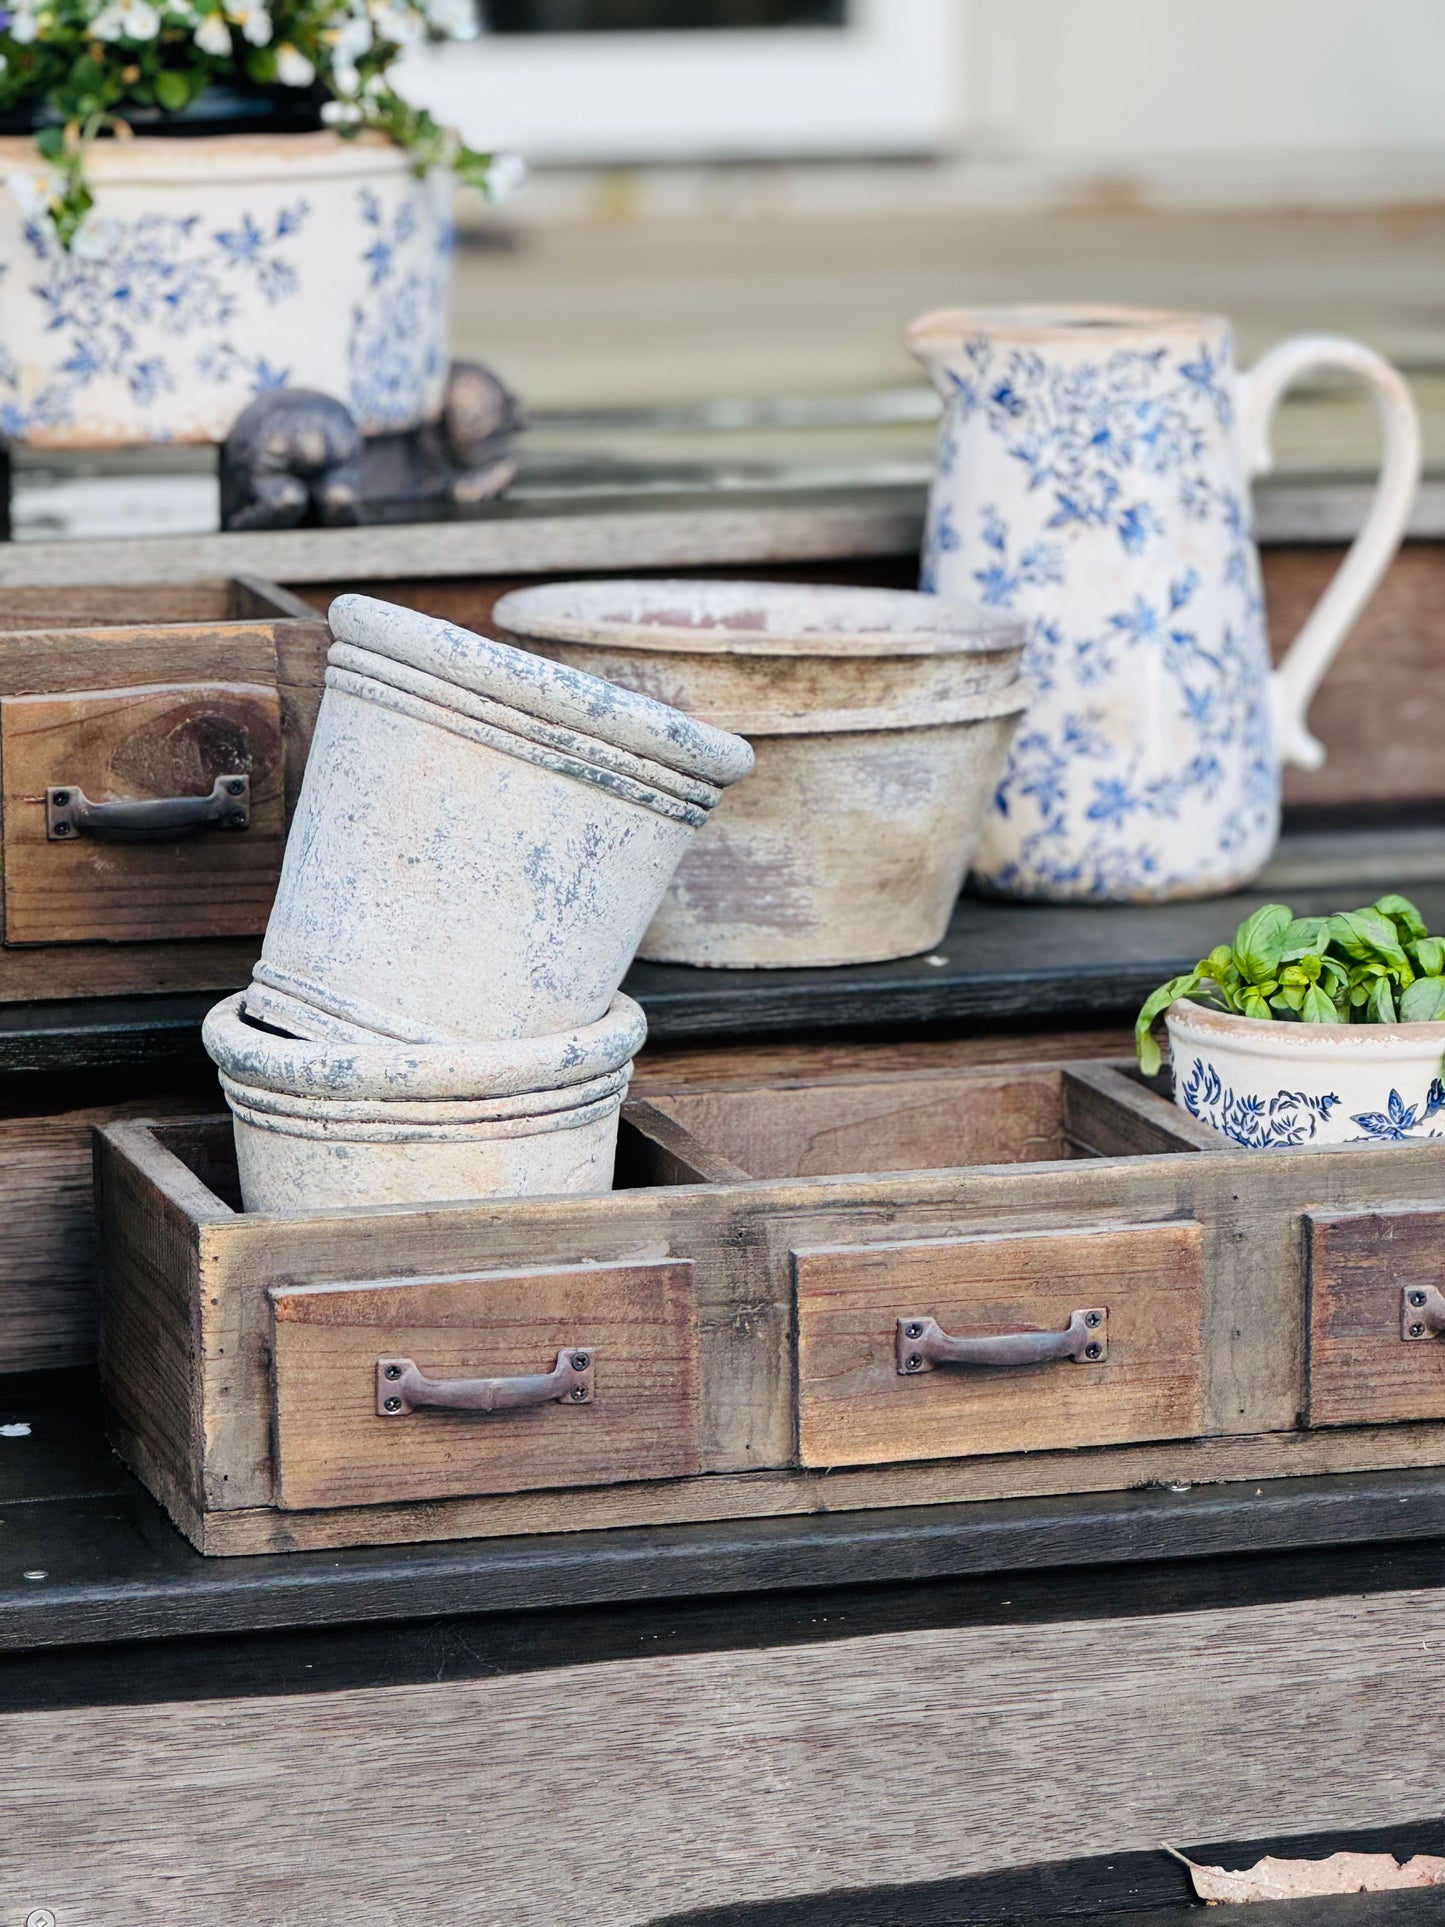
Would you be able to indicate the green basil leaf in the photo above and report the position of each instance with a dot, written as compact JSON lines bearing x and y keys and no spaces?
{"x":1259,"y":941}
{"x":1255,"y":1006}
{"x":1424,"y":1001}
{"x":1317,"y":1008}
{"x":172,"y":90}
{"x":1304,"y":935}
{"x":1430,"y":956}
{"x":1382,"y":1004}
{"x":1402,"y":913}
{"x":1154,"y":1008}
{"x":1365,"y":933}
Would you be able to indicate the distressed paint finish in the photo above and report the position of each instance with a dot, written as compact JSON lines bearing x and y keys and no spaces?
{"x":481,"y":837}
{"x":879,"y":719}
{"x":325,"y":1126}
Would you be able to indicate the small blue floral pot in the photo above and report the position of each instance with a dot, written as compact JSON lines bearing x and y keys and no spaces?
{"x":212,"y":269}
{"x":1268,"y":1085}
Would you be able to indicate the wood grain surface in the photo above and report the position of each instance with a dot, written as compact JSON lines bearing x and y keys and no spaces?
{"x":48,"y":1297}
{"x":119,"y":744}
{"x":1361,"y":1371}
{"x":856,"y":1408}
{"x":638,"y":1322}
{"x":630,"y":1789}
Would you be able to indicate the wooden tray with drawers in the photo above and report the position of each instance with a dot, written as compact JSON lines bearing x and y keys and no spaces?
{"x":152,"y":740}
{"x":884,"y":1289}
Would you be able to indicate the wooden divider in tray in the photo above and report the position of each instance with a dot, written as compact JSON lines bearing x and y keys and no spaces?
{"x":739,"y":1299}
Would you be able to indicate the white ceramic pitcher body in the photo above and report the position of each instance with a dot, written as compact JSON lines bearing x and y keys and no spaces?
{"x":1093,"y":478}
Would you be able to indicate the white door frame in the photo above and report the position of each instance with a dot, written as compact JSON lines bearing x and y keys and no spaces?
{"x":884,"y":84}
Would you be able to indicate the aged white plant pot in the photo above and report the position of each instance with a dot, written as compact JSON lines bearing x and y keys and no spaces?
{"x":1270,"y":1084}
{"x":212,"y":269}
{"x":319,"y":1127}
{"x":880,"y":721}
{"x":481,"y":837}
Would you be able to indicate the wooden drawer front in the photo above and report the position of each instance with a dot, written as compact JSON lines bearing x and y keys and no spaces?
{"x":1363,"y":1369}
{"x":636,"y":1323}
{"x":171,"y":740}
{"x":855,"y":1407}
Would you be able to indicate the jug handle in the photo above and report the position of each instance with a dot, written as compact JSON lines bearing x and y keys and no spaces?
{"x":1294,"y":683}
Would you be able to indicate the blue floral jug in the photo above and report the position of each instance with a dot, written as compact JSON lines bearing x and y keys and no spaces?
{"x":1093,"y":477}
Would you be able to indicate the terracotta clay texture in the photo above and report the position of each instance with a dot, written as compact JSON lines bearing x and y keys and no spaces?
{"x":879,"y":719}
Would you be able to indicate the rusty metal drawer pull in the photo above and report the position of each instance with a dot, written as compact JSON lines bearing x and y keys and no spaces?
{"x":401,"y":1388}
{"x":1422,"y":1312}
{"x":69,"y":813}
{"x":922,"y":1344}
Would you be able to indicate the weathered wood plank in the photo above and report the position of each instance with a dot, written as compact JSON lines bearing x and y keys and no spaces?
{"x":160,"y":740}
{"x":1362,"y":1370}
{"x":664,"y":1773}
{"x":1143,"y":1283}
{"x":636,"y":1325}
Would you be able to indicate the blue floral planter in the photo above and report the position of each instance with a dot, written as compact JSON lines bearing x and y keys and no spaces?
{"x":1271,"y":1085}
{"x":211,"y":270}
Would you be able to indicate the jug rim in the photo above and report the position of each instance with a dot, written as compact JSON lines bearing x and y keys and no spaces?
{"x":1060,"y":321}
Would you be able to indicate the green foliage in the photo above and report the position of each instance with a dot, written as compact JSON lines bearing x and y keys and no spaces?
{"x":1378,"y":965}
{"x":85,"y":65}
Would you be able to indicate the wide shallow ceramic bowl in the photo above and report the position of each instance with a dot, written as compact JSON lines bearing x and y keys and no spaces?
{"x":1268,"y":1085}
{"x":879,"y":719}
{"x":769,"y":658}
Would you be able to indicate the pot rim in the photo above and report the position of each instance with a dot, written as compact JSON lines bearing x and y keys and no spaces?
{"x":322,"y":1130}
{"x":338,"y":1113}
{"x":1253,"y":1037}
{"x":938,"y":626}
{"x":548,"y":690}
{"x":1072,"y":322}
{"x":983,"y":706}
{"x":391,"y":1070}
{"x":149,"y":160}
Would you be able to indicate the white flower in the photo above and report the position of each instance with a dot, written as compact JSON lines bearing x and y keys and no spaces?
{"x":506,"y":174}
{"x":403,"y":26}
{"x":254,"y":22}
{"x":213,"y":36}
{"x":340,"y":113}
{"x":293,"y":69}
{"x":126,"y":20}
{"x":455,"y":19}
{"x":33,"y":193}
{"x":23,"y":25}
{"x":97,"y":238}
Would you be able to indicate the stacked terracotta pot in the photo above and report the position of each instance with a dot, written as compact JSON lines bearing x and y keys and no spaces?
{"x":481,"y":840}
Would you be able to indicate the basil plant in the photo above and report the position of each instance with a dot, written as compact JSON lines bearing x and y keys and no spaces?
{"x":1378,"y":965}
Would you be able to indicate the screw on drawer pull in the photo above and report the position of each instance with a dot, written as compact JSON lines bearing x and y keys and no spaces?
{"x":69,"y":813}
{"x":401,"y":1388}
{"x":1422,"y":1312}
{"x":922,"y":1345}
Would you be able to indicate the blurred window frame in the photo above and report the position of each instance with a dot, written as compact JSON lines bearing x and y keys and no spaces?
{"x":881,"y":85}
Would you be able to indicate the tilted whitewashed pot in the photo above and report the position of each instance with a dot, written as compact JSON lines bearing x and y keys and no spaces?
{"x":1268,"y":1084}
{"x":319,"y":1127}
{"x":481,"y":837}
{"x":1093,"y":477}
{"x":212,"y":269}
{"x":879,"y":721}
